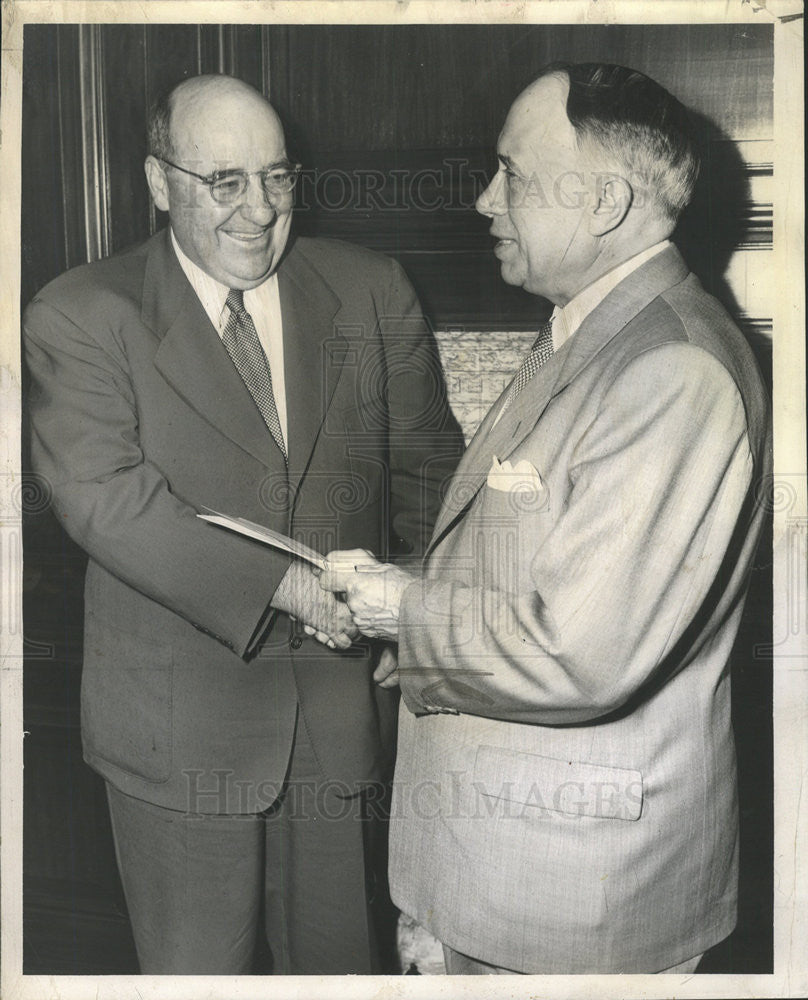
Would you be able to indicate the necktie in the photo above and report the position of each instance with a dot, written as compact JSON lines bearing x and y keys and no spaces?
{"x":241,"y":340}
{"x":541,"y":352}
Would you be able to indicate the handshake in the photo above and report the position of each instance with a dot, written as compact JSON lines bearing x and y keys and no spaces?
{"x":354,"y":594}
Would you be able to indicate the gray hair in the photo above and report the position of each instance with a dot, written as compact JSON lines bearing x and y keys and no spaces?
{"x":638,"y":124}
{"x":158,"y":127}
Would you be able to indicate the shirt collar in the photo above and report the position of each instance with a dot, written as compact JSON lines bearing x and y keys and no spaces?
{"x":567,"y":319}
{"x":213,"y":294}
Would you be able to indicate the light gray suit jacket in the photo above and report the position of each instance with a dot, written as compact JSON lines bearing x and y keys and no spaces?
{"x":565,"y":785}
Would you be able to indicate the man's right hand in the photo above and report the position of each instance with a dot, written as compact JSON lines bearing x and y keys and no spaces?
{"x":386,"y":672}
{"x":323,"y":616}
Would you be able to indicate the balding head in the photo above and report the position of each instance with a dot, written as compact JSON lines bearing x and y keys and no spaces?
{"x":198,"y":106}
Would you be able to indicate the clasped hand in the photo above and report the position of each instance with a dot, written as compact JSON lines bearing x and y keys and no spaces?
{"x":321,"y":614}
{"x":372,"y":590}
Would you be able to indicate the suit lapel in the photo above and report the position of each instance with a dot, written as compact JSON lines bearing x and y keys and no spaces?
{"x":313,"y":355}
{"x":500,"y":440}
{"x":193,"y":359}
{"x":608,"y":318}
{"x":621,"y":305}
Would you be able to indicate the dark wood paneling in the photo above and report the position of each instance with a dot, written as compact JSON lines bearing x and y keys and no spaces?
{"x":43,"y":216}
{"x":388,"y":165}
{"x":401,"y":174}
{"x":749,"y":949}
{"x":389,"y":87}
{"x":172,"y":53}
{"x":68,"y":88}
{"x":86,"y":937}
{"x":75,"y":919}
{"x":245,"y":42}
{"x":125,"y":51}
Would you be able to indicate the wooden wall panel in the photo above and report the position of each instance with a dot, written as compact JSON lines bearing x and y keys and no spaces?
{"x":69,"y":152}
{"x":43,"y":208}
{"x":248,"y":60}
{"x":126,"y":49}
{"x":173,"y":51}
{"x":448,"y":87}
{"x":389,"y":164}
{"x":400,"y":140}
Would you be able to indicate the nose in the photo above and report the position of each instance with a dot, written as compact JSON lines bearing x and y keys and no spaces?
{"x":492,"y":202}
{"x":258,"y":205}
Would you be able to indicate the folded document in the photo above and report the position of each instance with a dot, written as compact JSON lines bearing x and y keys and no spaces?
{"x":266,"y":535}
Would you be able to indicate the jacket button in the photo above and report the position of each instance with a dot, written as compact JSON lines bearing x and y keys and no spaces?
{"x":296,"y":641}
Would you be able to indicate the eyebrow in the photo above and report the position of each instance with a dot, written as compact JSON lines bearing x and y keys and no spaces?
{"x":277,"y":165}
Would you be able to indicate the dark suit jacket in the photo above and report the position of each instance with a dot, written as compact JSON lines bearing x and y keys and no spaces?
{"x":139,"y":420}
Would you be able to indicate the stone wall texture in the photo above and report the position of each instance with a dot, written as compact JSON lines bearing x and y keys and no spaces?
{"x":478,"y":365}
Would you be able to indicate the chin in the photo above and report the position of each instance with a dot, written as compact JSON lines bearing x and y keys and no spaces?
{"x":249,"y":276}
{"x":511,"y":276}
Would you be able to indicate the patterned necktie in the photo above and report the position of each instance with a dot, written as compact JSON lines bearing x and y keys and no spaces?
{"x":541,"y":352}
{"x":241,"y":340}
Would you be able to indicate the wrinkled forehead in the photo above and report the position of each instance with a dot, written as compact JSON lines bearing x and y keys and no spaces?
{"x":537,"y":127}
{"x":226,"y":127}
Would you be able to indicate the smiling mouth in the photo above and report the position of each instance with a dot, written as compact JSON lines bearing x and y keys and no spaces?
{"x":246,"y":237}
{"x":503,"y":243}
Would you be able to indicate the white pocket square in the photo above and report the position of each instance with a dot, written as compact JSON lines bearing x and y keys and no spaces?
{"x":519,"y":478}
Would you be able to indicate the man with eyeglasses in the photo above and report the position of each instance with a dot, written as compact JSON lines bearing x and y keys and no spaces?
{"x":292,"y":382}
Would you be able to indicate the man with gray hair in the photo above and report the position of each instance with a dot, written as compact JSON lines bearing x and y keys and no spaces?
{"x":565,"y":784}
{"x":292,"y":382}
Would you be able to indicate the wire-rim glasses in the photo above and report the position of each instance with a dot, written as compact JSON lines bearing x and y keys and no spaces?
{"x":229,"y":185}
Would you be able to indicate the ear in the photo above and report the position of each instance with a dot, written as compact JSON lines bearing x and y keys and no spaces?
{"x":157,"y":181}
{"x":613,"y":199}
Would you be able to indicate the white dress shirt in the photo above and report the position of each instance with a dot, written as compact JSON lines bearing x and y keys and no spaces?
{"x":566,"y":319}
{"x":263,"y":303}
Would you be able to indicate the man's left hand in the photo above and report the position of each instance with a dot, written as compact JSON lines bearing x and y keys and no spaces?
{"x":372,"y":590}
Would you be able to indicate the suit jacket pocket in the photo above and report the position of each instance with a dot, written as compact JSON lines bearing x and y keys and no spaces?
{"x":516,"y":503}
{"x":564,"y":786}
{"x":126,"y":701}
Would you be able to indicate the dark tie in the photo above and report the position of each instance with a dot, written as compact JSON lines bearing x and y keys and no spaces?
{"x":241,"y":340}
{"x":541,"y":352}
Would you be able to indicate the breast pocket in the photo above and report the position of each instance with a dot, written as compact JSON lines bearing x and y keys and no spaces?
{"x":516,"y":494}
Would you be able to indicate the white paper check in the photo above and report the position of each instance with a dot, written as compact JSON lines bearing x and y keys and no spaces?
{"x":266,"y":535}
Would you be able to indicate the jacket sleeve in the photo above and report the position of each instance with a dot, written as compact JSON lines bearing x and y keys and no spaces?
{"x":425,"y":440}
{"x":659,"y":481}
{"x":115,"y":503}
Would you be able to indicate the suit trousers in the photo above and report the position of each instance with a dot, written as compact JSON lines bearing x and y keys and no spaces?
{"x":195,"y":883}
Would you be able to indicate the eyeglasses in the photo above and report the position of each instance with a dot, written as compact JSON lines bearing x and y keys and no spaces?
{"x":229,"y":185}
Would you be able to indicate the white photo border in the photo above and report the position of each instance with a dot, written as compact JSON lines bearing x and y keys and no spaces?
{"x":790,"y":976}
